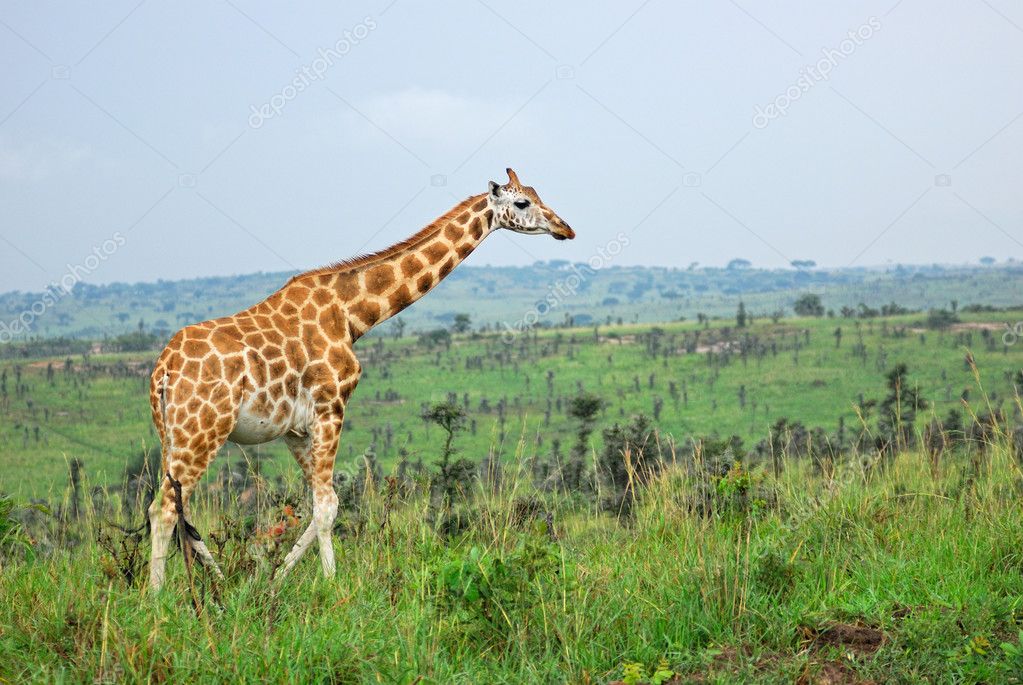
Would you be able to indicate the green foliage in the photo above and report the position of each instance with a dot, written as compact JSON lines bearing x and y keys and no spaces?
{"x":491,"y":593}
{"x":13,"y":538}
{"x":635,"y":673}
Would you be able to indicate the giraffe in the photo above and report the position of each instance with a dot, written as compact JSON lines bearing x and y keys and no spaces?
{"x":286,"y":367}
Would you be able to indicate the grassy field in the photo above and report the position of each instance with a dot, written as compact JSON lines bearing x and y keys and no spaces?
{"x":516,"y":394}
{"x":890,"y":571}
{"x":752,"y":560}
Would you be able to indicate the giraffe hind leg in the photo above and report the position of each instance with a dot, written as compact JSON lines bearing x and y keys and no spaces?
{"x":301,"y":449}
{"x":190,"y":536}
{"x":169,"y":509}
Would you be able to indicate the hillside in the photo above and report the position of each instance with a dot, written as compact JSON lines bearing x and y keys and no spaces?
{"x":502,"y":297}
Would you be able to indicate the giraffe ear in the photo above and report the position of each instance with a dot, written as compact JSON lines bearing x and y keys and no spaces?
{"x":495,"y":189}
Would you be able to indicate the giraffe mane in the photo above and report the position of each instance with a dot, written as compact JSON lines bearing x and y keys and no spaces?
{"x":413,"y":241}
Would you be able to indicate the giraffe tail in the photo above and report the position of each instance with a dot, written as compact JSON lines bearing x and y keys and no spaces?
{"x":187,"y":533}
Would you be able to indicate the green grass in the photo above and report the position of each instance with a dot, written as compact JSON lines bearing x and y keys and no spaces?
{"x":101,"y":414}
{"x":927,"y":564}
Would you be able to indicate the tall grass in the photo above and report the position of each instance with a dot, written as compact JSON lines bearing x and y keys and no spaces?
{"x":890,"y":571}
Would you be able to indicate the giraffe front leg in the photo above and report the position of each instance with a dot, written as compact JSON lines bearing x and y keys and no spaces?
{"x":315,"y":454}
{"x":301,"y":449}
{"x":327,"y":434}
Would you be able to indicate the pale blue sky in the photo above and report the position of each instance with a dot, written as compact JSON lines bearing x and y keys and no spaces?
{"x":135,"y":119}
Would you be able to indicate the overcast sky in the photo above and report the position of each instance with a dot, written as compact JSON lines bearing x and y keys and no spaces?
{"x":209,"y":138}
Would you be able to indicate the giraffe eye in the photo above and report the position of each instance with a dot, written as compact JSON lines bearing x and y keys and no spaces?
{"x":522,"y":204}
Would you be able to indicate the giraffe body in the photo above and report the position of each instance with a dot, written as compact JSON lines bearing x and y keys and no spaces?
{"x":286,"y":367}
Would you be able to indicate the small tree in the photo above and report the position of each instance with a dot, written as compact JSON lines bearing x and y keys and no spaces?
{"x":809,"y":304}
{"x":462,"y":323}
{"x":584,"y":408}
{"x":740,"y":315}
{"x":620,"y":476}
{"x":897,"y":412}
{"x":453,"y":476}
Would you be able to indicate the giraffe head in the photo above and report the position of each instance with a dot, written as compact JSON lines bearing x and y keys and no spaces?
{"x":518,"y":208}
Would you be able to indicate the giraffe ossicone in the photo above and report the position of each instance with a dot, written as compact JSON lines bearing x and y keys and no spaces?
{"x":285,"y":368}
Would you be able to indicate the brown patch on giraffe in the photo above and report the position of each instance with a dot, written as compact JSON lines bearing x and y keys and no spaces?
{"x":271,"y":352}
{"x":366,"y":311}
{"x":379,"y":278}
{"x":296,"y":294}
{"x":207,"y":416}
{"x":277,"y":368}
{"x":276,"y":391}
{"x":324,"y":393}
{"x":309,"y":311}
{"x":224,"y":425}
{"x":194,"y":332}
{"x":256,"y":339}
{"x":281,"y":415}
{"x":212,"y":368}
{"x":463,"y":217}
{"x":257,"y":367}
{"x":424,"y":283}
{"x":321,"y":296}
{"x":296,"y":355}
{"x":285,"y":324}
{"x":233,"y":368}
{"x":191,"y":425}
{"x":291,"y":384}
{"x":446,"y":268}
{"x":434,"y":252}
{"x":198,"y":444}
{"x":287,"y":309}
{"x":463,"y":250}
{"x":191,"y":368}
{"x":226,"y":342}
{"x":179,"y":436}
{"x":313,"y":340}
{"x":411,"y":265}
{"x":197,"y":349}
{"x":273,"y":336}
{"x":488,"y":216}
{"x":263,"y":309}
{"x":479,"y":205}
{"x":476,"y":228}
{"x":341,"y":360}
{"x":332,"y":322}
{"x":399,"y":299}
{"x":316,"y":374}
{"x":347,"y":285}
{"x":453,"y":232}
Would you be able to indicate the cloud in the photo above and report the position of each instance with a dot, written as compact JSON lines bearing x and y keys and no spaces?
{"x":439,"y":117}
{"x":40,"y":160}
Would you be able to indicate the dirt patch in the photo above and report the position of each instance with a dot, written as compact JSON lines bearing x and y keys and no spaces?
{"x":859,"y":637}
{"x":832,"y":673}
{"x":967,"y":326}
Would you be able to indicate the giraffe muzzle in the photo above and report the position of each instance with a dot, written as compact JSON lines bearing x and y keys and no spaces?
{"x":562,"y":231}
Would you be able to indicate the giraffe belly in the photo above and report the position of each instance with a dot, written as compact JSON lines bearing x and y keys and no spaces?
{"x":252,"y":429}
{"x":259,"y":421}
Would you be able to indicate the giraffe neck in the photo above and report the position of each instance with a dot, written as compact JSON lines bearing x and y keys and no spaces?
{"x":376,"y":287}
